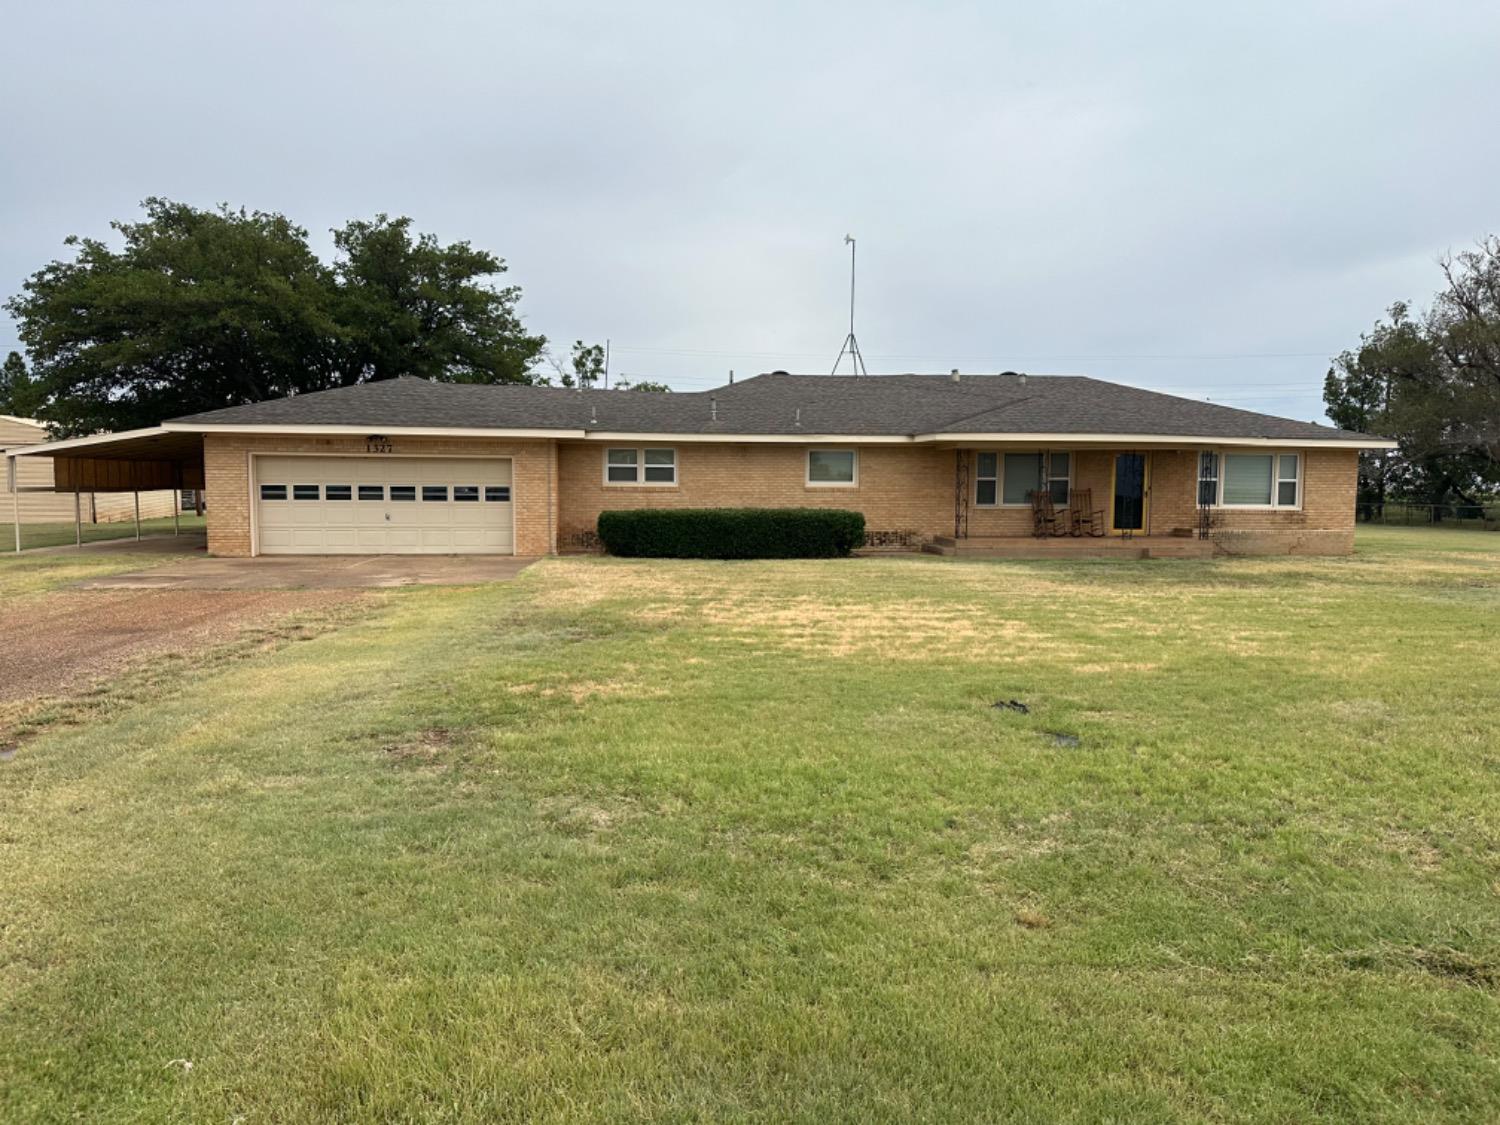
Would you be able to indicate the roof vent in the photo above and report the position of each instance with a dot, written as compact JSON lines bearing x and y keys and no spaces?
{"x":799,"y":415}
{"x":713,"y":408}
{"x":593,"y":415}
{"x":1021,"y":378}
{"x":780,"y":373}
{"x":953,"y":374}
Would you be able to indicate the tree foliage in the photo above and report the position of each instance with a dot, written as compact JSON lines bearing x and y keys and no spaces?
{"x":411,"y":306}
{"x":200,"y":309}
{"x":1433,"y":383}
{"x":18,"y":395}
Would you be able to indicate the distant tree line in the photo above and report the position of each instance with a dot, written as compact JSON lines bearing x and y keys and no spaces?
{"x":200,"y":309}
{"x":1431,"y":381}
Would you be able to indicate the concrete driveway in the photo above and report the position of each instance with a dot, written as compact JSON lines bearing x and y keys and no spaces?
{"x":317,"y":572}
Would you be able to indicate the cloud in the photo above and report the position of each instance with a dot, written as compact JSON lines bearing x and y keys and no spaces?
{"x":1121,"y":187}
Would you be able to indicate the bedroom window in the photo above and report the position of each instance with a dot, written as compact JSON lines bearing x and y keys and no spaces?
{"x":657,"y":466}
{"x":832,"y":468}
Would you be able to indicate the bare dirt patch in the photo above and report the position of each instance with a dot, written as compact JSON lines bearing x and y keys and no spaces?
{"x":429,"y":748}
{"x":58,"y":643}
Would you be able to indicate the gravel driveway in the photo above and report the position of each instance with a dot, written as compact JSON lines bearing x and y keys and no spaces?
{"x":59,"y":641}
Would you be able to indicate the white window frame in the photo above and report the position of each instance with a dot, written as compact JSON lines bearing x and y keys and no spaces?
{"x":999,"y":477}
{"x":640,"y":480}
{"x":1276,"y":479}
{"x":807,"y":480}
{"x":999,"y":472}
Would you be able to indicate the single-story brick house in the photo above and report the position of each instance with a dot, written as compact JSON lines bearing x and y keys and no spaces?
{"x":411,"y":466}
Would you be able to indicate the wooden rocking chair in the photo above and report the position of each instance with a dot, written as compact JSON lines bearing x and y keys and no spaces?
{"x":1085,"y":518}
{"x":1045,"y":518}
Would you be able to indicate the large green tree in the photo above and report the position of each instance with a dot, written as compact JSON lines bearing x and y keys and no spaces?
{"x":199,"y":309}
{"x":412,"y":306}
{"x":1433,"y":383}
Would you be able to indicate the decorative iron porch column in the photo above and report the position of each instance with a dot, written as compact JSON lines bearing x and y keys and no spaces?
{"x":960,"y":494}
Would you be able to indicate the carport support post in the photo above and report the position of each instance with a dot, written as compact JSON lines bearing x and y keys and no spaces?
{"x":15,"y":498}
{"x":77,"y":519}
{"x":177,"y":500}
{"x":137,"y":495}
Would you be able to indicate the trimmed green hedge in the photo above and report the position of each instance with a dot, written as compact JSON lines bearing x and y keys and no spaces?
{"x":732,"y":533}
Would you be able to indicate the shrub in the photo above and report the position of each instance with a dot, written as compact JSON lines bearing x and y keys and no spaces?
{"x":732,"y":533}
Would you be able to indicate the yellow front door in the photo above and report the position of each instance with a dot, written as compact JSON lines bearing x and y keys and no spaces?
{"x":1130,"y":493}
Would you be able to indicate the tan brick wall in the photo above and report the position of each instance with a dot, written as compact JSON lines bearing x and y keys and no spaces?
{"x":1324,"y":525}
{"x":560,"y":490}
{"x":904,"y":488}
{"x":900,"y":488}
{"x":227,"y":485}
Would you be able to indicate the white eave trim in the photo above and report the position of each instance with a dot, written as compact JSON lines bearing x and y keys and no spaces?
{"x":52,"y":448}
{"x":365,"y":431}
{"x":842,"y":440}
{"x":1158,"y":440}
{"x":622,"y":437}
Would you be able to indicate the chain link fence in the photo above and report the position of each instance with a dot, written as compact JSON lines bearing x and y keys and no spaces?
{"x":1401,"y":513}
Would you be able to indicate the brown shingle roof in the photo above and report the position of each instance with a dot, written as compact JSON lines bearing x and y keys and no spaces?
{"x":785,"y":405}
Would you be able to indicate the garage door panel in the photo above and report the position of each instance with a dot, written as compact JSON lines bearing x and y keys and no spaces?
{"x":375,"y":521}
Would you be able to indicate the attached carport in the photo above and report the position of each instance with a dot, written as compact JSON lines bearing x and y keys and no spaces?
{"x":135,"y":461}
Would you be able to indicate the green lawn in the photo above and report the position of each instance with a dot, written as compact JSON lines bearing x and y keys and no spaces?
{"x":633,"y":840}
{"x":65,"y":534}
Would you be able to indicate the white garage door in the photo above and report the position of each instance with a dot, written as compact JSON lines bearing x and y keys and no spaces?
{"x":383,"y":506}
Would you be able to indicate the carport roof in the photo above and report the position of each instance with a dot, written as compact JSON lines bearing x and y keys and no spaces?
{"x":891,"y":407}
{"x":155,"y":443}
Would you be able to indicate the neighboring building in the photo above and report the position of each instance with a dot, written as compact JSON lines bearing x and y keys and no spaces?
{"x":34,"y":477}
{"x":410,"y":466}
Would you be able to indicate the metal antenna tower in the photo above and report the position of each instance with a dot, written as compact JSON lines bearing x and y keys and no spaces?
{"x":851,"y":345}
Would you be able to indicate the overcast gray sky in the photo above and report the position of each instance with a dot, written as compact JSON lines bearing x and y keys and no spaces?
{"x":1205,"y":198}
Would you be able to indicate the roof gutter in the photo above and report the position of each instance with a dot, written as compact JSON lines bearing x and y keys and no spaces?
{"x":384,"y":431}
{"x":1168,"y":440}
{"x":939,"y":438}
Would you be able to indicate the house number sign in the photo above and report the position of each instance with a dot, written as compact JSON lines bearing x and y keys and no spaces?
{"x":377,"y":444}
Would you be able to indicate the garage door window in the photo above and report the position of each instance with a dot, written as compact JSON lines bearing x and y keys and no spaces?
{"x":466,"y":493}
{"x":437,"y":493}
{"x":497,"y":493}
{"x":403,"y":492}
{"x":372,"y":492}
{"x":273,"y":492}
{"x":304,"y":492}
{"x":338,"y":492}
